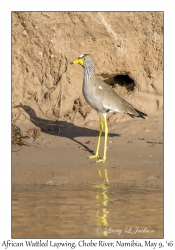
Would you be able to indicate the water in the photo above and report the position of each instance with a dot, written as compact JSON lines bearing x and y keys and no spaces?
{"x":94,"y":209}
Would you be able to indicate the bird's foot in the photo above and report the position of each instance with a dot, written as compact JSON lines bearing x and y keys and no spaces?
{"x":94,"y":156}
{"x":101,"y":159}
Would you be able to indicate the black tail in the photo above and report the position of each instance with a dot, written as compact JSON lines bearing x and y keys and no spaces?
{"x":141,"y":114}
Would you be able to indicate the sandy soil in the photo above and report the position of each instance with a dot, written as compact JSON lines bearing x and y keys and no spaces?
{"x":125,"y":44}
{"x":59,"y":193}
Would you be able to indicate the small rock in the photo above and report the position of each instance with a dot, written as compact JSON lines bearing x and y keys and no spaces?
{"x":147,"y":130}
{"x":40,"y":53}
{"x":25,"y":32}
{"x":151,"y":177}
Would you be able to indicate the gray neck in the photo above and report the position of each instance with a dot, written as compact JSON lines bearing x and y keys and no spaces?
{"x":89,"y":72}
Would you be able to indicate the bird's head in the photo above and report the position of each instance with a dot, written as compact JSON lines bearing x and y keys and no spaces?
{"x":84,"y":60}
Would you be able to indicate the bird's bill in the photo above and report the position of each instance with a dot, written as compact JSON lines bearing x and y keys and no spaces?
{"x":77,"y":61}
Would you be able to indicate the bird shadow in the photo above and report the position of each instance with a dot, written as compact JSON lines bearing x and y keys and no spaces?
{"x":62,"y":128}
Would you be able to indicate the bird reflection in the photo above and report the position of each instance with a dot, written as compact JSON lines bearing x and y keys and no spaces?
{"x":102,"y":203}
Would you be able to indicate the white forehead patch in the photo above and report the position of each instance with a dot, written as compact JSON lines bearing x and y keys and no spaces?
{"x":81,"y":56}
{"x":100,"y":87}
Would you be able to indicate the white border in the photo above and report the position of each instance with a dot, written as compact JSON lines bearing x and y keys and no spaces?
{"x":5,"y":97}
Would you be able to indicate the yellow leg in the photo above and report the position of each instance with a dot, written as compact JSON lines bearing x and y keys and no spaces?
{"x":106,"y":176}
{"x":106,"y":180}
{"x":99,"y":138}
{"x":106,"y":136}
